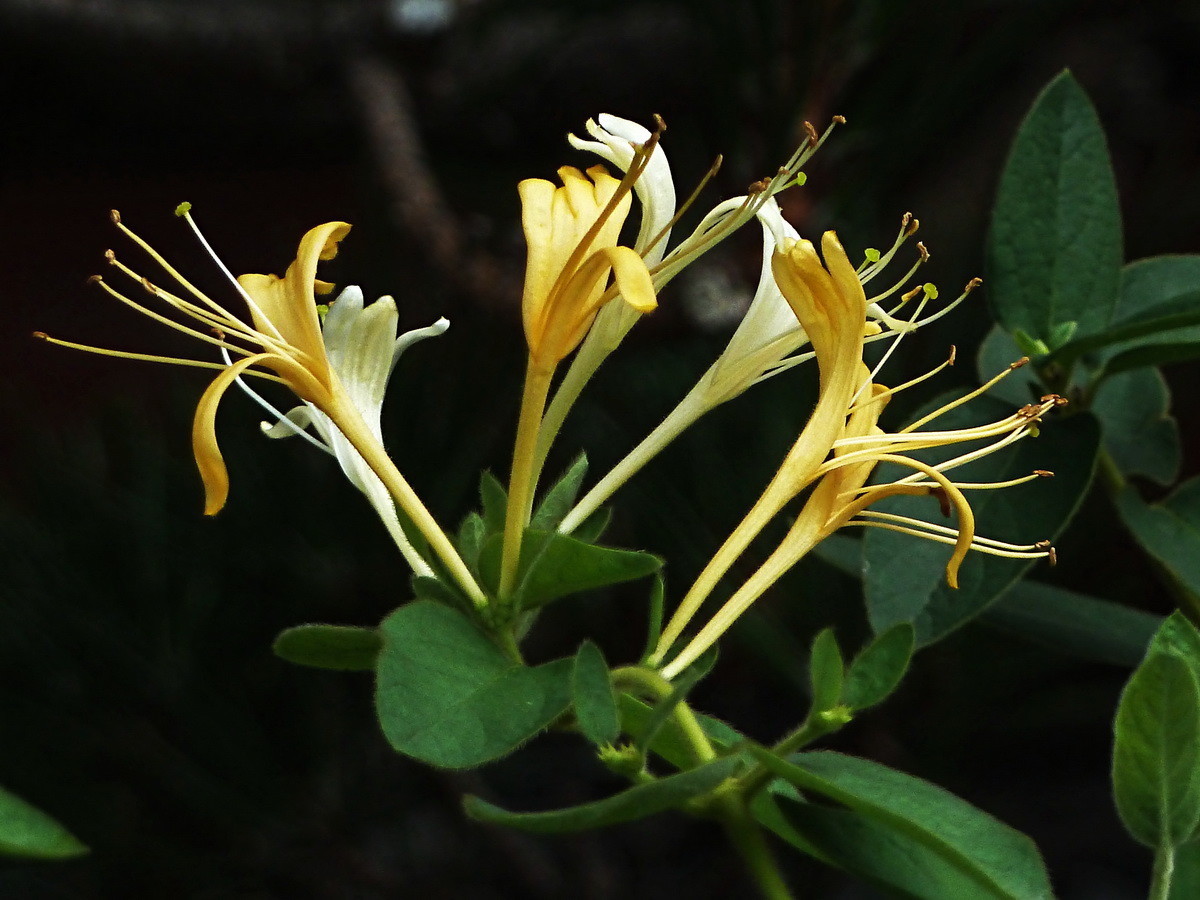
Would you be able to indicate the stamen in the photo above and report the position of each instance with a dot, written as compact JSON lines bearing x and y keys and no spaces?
{"x":912,"y":382}
{"x":945,"y":529}
{"x":971,"y":285}
{"x":887,"y":355}
{"x":679,"y":213}
{"x":966,"y":398}
{"x":161,"y":319}
{"x":975,"y":545}
{"x":271,"y":410}
{"x":147,"y":357}
{"x":882,"y":262}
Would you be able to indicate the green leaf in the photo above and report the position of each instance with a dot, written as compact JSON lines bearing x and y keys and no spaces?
{"x":879,"y":667}
{"x":471,"y":535}
{"x":593,"y":697}
{"x":669,"y":741}
{"x":1139,"y":432}
{"x":905,"y":576}
{"x":494,"y":498}
{"x":556,"y":565}
{"x":560,"y":498}
{"x":1169,"y":531}
{"x":591,"y":528}
{"x":428,"y":587}
{"x":448,"y":696}
{"x":1054,"y":249}
{"x":1073,"y":623}
{"x":869,"y":849}
{"x":658,"y":594}
{"x":26,"y":831}
{"x":1178,"y":313}
{"x":1156,"y":753}
{"x":997,"y":353}
{"x":1155,"y":283}
{"x":636,"y":803}
{"x":1179,"y":637}
{"x":1185,"y":881}
{"x":826,"y":671}
{"x":1000,"y":861}
{"x":342,"y":647}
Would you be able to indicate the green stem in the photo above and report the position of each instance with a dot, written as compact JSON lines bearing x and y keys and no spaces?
{"x":751,"y":844}
{"x":1164,"y":869}
{"x":649,"y":683}
{"x":523,"y":480}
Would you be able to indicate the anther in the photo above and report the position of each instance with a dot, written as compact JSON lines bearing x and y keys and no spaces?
{"x":150,"y":288}
{"x":912,"y":226}
{"x":660,"y":124}
{"x":921,"y":249}
{"x":811,"y":131}
{"x":94,"y":279}
{"x":115,"y":216}
{"x":905,"y":220}
{"x":1043,"y":473}
{"x":1054,"y":400}
{"x":943,"y":500}
{"x":41,"y":335}
{"x":1023,"y":361}
{"x":111,"y":257}
{"x":1052,"y":556}
{"x":758,"y":186}
{"x":972,"y":284}
{"x":841,"y":120}
{"x":953,"y":354}
{"x":1029,"y":411}
{"x":919,"y":289}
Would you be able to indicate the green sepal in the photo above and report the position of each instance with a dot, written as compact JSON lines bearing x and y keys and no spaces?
{"x":29,"y":833}
{"x":1002,"y":862}
{"x":637,"y":802}
{"x":341,"y":647}
{"x":658,"y":600}
{"x":448,"y":696}
{"x":680,"y":688}
{"x":669,"y":741}
{"x":471,"y":535}
{"x":593,"y":697}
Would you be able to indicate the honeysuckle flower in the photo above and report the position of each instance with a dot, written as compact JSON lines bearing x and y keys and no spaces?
{"x":363,"y":348}
{"x":283,"y":342}
{"x":838,"y":449}
{"x":571,"y":233}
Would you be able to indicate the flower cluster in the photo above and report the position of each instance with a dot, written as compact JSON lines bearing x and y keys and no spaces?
{"x":584,"y":290}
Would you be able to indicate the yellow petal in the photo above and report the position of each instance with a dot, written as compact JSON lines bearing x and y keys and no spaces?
{"x":209,"y":460}
{"x":288,"y":305}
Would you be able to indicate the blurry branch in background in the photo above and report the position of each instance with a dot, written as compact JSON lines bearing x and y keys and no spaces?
{"x":418,"y":207}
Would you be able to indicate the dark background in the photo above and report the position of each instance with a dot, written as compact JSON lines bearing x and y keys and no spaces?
{"x":139,"y":701}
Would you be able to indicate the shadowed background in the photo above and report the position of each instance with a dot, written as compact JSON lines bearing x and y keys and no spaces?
{"x":139,"y":700}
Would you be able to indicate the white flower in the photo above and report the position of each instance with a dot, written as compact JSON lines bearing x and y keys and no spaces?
{"x":363,"y":348}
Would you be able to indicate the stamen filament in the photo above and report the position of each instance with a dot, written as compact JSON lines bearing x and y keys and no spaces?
{"x":947,"y":530}
{"x":148,"y":357}
{"x":912,"y":382}
{"x":968,"y":397}
{"x":941,"y":539}
{"x":904,"y":279}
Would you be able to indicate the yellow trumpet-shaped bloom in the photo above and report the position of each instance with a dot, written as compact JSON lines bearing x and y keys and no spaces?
{"x":571,"y":232}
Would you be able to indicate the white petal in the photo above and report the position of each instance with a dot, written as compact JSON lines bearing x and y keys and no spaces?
{"x":409,"y":338}
{"x":655,"y":189}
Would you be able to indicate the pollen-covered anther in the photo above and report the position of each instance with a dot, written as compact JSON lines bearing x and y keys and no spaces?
{"x":972,"y":284}
{"x":953,"y":354}
{"x":41,"y":335}
{"x":911,"y":224}
{"x":1043,"y":473}
{"x":660,"y":124}
{"x":919,"y":289}
{"x":1052,"y":556}
{"x":94,"y":279}
{"x":111,"y":256}
{"x":811,"y":131}
{"x":923,"y":251}
{"x":1030,"y":411}
{"x":840,"y":120}
{"x":1023,"y":361}
{"x":1055,"y":400}
{"x":114,"y":216}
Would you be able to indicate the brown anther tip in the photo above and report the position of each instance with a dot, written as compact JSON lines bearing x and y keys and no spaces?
{"x":972,"y":284}
{"x":115,"y":216}
{"x":942,"y":498}
{"x":905,"y":219}
{"x":41,"y":335}
{"x":904,"y":298}
{"x":150,"y":288}
{"x":841,"y":120}
{"x":1042,"y":545}
{"x":811,"y":131}
{"x":1023,"y":361}
{"x":110,"y":256}
{"x":218,"y":333}
{"x":923,"y":251}
{"x":94,"y":279}
{"x":953,"y":354}
{"x":660,"y":124}
{"x":1052,"y":556}
{"x":759,"y":186}
{"x":913,"y":227}
{"x":1043,"y":473}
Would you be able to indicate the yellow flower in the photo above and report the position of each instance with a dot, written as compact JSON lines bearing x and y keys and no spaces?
{"x":571,"y":232}
{"x":839,"y":448}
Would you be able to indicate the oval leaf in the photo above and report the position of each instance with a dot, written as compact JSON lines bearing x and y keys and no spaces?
{"x":593,"y":695}
{"x":826,"y":671}
{"x":26,"y":831}
{"x":1054,"y":249}
{"x":1169,"y":531}
{"x":879,"y":667}
{"x":965,"y":838}
{"x":1156,"y":753}
{"x":341,"y":647}
{"x":446,"y":695}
